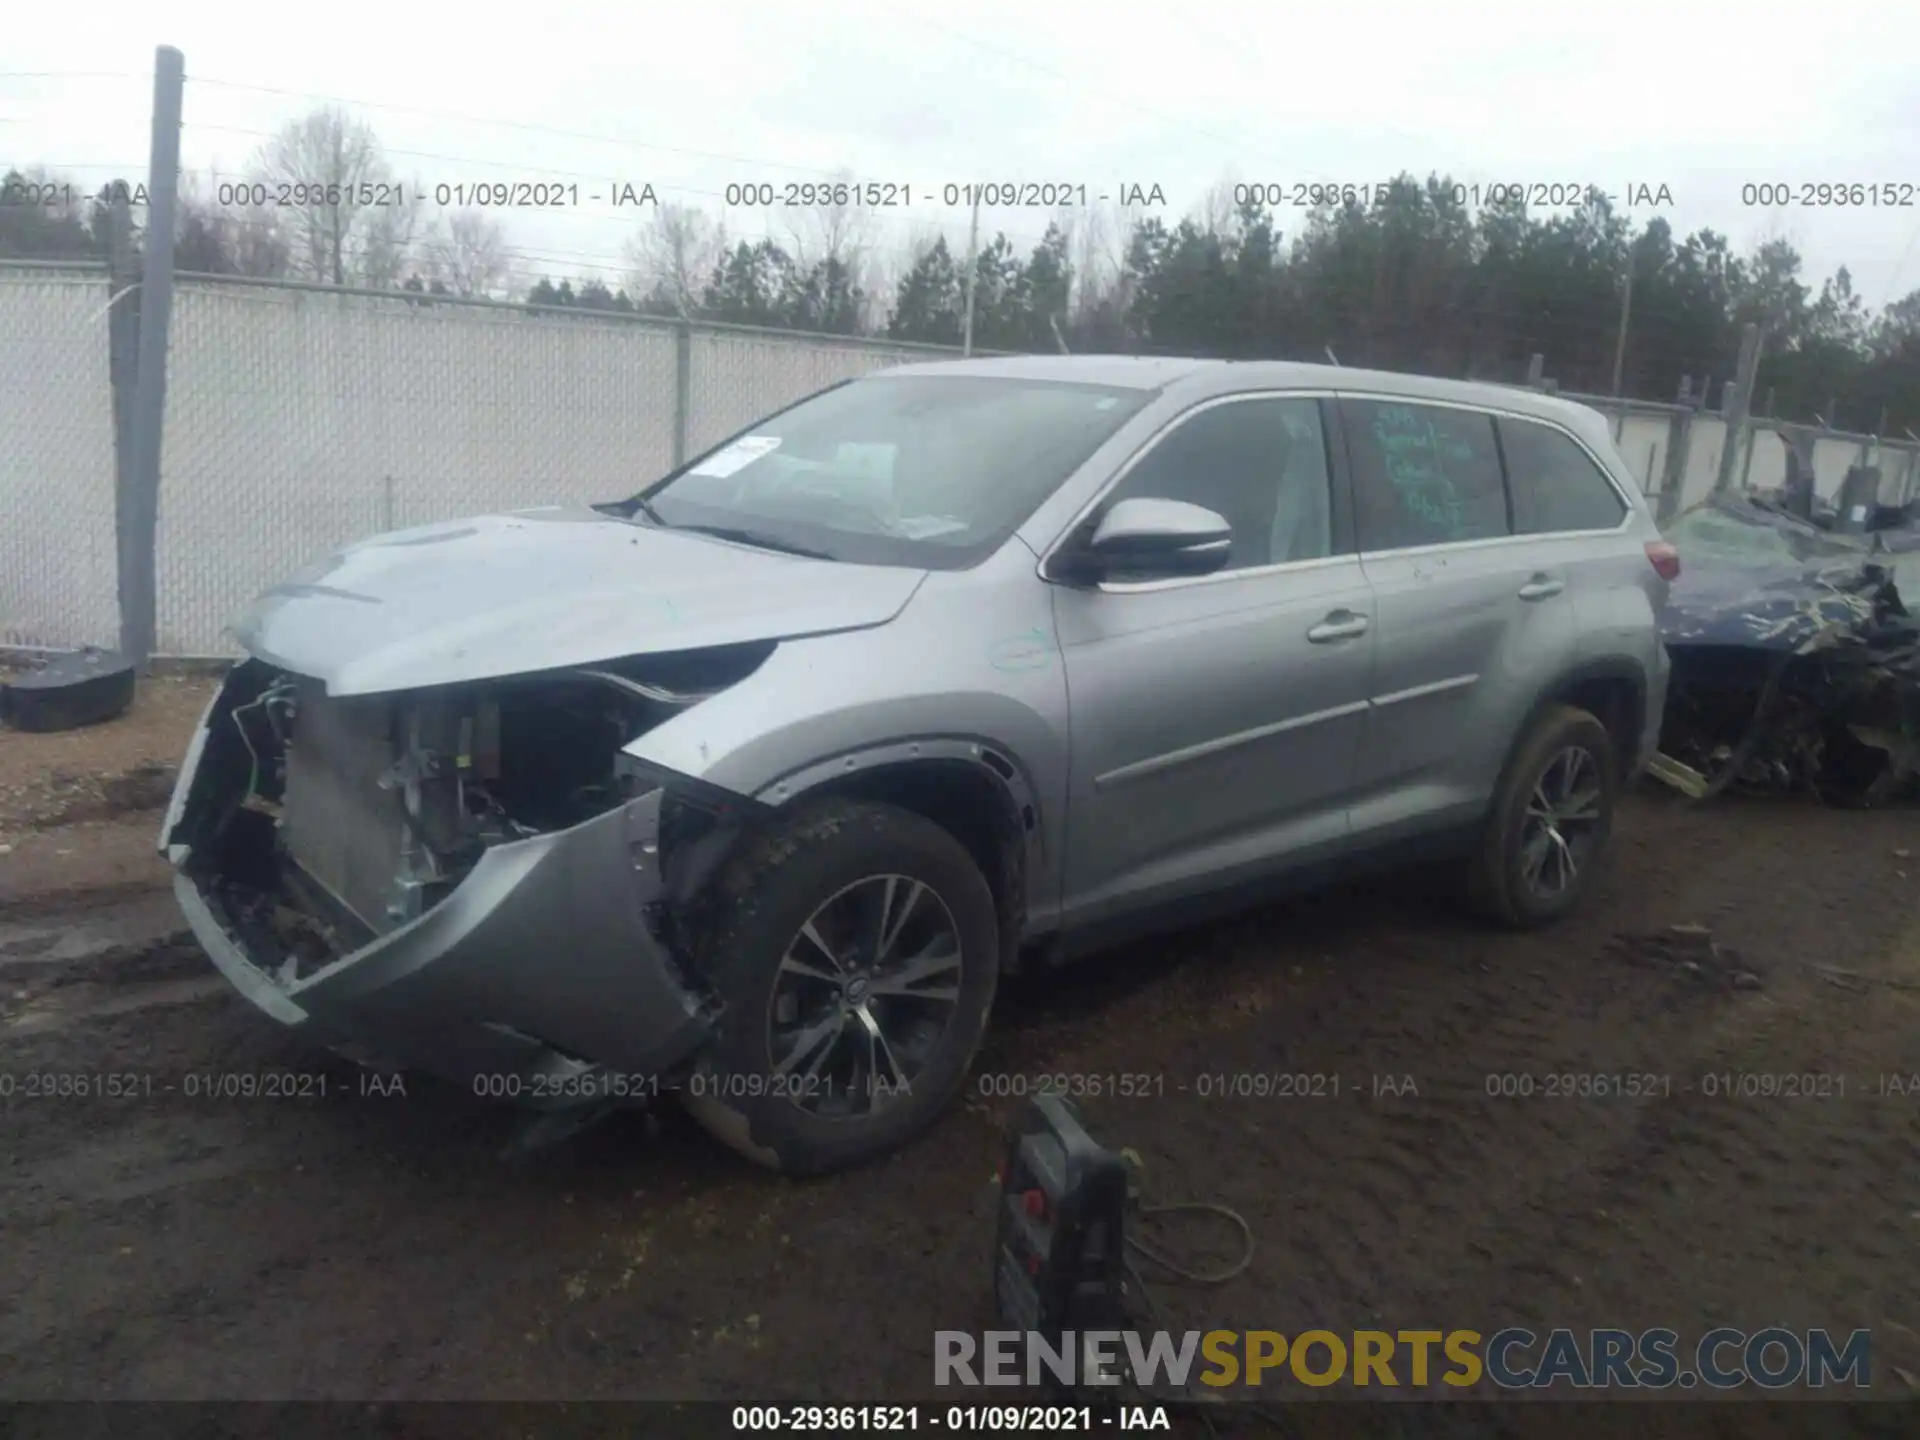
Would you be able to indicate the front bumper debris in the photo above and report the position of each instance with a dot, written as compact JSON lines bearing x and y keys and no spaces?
{"x":538,"y":978}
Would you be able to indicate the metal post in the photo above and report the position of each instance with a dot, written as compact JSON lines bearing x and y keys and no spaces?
{"x":1673,"y":480}
{"x":123,"y":370}
{"x":682,"y":390}
{"x":973,"y":267}
{"x":1739,"y":400}
{"x":150,"y":386}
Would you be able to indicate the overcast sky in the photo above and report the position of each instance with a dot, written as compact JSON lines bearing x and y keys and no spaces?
{"x":1701,"y":98}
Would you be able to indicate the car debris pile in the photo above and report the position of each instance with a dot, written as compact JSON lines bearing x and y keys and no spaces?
{"x":1796,"y":665}
{"x":1690,"y":952}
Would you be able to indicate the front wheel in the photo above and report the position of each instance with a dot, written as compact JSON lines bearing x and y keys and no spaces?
{"x":855,"y":948}
{"x":1550,"y":821}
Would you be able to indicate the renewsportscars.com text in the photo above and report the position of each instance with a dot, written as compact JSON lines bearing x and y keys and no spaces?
{"x":1511,"y":1359}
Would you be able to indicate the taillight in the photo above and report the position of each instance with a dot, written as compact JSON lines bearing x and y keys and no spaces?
{"x":1665,"y":559}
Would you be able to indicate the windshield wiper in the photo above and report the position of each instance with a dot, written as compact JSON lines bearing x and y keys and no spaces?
{"x":756,"y":538}
{"x":645,"y":507}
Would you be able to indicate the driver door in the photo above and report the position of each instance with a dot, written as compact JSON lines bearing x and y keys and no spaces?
{"x":1216,"y":719}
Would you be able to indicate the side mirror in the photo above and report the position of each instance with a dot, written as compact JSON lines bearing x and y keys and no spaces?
{"x":1156,"y":538}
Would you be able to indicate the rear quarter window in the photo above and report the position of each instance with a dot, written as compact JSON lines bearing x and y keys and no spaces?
{"x":1556,"y":485}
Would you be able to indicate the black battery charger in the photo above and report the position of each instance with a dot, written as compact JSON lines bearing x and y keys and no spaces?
{"x":1060,"y":1237}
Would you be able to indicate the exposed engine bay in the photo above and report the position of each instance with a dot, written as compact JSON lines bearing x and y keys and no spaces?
{"x":324,"y":822}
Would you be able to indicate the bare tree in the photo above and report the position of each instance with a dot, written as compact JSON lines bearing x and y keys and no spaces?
{"x":840,"y":230}
{"x":879,"y":273}
{"x":349,"y":219}
{"x":467,"y":253}
{"x":229,"y":239}
{"x":1216,"y":213}
{"x":672,"y":257}
{"x":387,"y":244}
{"x":1098,"y":251}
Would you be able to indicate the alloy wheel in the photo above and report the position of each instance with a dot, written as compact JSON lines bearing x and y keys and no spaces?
{"x":1562,"y":822}
{"x":866,"y":988}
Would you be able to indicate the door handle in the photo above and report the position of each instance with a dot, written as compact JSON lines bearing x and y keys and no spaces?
{"x":1541,"y":587}
{"x":1340,"y":625}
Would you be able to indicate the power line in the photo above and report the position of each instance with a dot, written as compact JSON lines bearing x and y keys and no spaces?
{"x":1059,"y":74}
{"x":1239,"y":51}
{"x":877,"y":214}
{"x":459,"y":159}
{"x":619,"y":141}
{"x":913,"y":220}
{"x":69,"y":75}
{"x":521,"y":125}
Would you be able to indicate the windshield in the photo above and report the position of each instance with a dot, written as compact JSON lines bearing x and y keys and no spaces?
{"x":1709,"y":533}
{"x":927,"y":471}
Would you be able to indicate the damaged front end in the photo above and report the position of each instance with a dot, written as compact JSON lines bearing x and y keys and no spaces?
{"x":1796,"y":665}
{"x":470,"y":880}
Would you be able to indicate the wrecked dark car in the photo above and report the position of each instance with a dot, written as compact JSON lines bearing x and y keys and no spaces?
{"x":1796,"y":663}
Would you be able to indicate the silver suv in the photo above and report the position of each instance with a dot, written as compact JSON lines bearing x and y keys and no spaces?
{"x":752,"y":786}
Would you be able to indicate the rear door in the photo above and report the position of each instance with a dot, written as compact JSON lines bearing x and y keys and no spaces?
{"x":1470,"y":616}
{"x":1581,"y":529}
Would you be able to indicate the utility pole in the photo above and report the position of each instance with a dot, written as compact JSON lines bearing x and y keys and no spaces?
{"x":150,"y":383}
{"x":1620,"y":345}
{"x":1741,"y":402}
{"x":973,"y":266}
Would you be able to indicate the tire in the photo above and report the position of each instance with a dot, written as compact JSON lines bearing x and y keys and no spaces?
{"x":1501,"y":883}
{"x":810,"y":1111}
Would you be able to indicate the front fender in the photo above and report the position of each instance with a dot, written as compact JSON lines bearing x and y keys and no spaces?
{"x":970,"y":672}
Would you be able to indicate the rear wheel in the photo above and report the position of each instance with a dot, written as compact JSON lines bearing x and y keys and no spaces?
{"x":1550,"y":821}
{"x":855,"y":947}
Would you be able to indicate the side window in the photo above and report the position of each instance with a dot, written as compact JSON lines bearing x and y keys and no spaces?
{"x":1423,"y":474}
{"x":1261,"y":464}
{"x":1556,"y":485}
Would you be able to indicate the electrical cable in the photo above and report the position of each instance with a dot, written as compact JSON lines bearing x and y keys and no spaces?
{"x":1186,"y":1398}
{"x":1195,"y":1207}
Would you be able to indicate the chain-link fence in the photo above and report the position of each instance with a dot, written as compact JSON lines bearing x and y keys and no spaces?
{"x":58,"y":572}
{"x":1675,"y":451}
{"x":299,"y":418}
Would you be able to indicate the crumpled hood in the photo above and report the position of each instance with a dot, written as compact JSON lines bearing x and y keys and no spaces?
{"x":543,"y":589}
{"x":1767,"y":610}
{"x":1782,"y":601}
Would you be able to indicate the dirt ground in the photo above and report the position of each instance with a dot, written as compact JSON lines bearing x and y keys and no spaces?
{"x":386,"y":1247}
